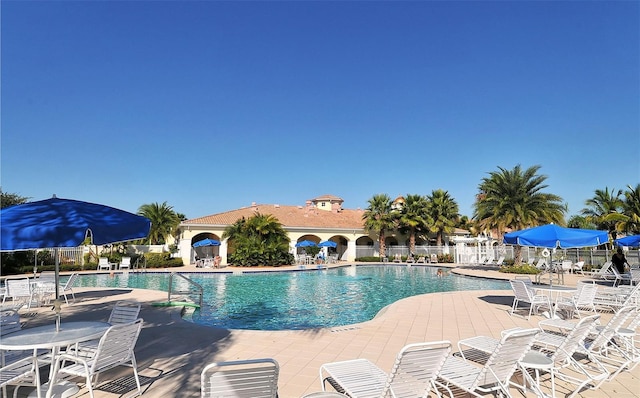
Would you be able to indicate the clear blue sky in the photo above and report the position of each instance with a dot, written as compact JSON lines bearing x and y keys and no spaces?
{"x":210,"y":106}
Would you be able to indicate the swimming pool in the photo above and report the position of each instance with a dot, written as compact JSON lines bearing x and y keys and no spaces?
{"x":301,"y":299}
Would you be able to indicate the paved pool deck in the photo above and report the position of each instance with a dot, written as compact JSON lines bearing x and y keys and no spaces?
{"x":171,"y":352}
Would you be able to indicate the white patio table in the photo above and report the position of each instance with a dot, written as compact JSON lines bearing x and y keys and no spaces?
{"x":554,"y":290}
{"x":46,"y":337}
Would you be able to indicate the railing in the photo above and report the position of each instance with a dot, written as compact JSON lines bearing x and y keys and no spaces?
{"x":188,"y":286}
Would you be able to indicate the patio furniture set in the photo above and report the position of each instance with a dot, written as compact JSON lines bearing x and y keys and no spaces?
{"x":74,"y":349}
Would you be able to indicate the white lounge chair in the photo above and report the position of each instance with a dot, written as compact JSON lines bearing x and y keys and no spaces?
{"x":494,"y":376}
{"x":125,"y":262}
{"x":103,"y":263}
{"x":524,"y":294}
{"x":599,"y":346}
{"x":604,"y":272}
{"x":620,"y":278}
{"x":413,"y":374}
{"x":500,"y":261}
{"x":433,"y":259}
{"x":559,"y":350}
{"x":421,"y":259}
{"x":246,"y":378}
{"x":114,"y":349}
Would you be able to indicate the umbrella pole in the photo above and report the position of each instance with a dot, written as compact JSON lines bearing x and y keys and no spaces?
{"x":57,"y":273}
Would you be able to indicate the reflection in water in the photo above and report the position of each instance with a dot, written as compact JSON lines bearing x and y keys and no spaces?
{"x":302,"y":299}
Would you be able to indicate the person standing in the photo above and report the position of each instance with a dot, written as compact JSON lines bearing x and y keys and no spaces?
{"x":619,"y":260}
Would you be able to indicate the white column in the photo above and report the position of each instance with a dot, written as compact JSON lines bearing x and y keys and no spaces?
{"x":223,"y":251}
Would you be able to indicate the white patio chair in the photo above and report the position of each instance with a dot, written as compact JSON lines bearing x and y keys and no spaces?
{"x":19,"y":290}
{"x":21,"y":372}
{"x":494,"y":376}
{"x":500,"y":261}
{"x":255,"y":378}
{"x":433,"y":258}
{"x":68,"y":287}
{"x":103,"y":263}
{"x":114,"y":349}
{"x":583,"y":300}
{"x":578,"y":267}
{"x":124,"y":311}
{"x":524,"y":294}
{"x":566,"y":266}
{"x":413,"y":374}
{"x":125,"y":262}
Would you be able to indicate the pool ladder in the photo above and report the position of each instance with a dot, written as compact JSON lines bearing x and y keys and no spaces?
{"x":194,"y":288}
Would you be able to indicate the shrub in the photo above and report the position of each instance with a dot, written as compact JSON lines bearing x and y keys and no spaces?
{"x":445,"y":258}
{"x":520,"y":269}
{"x":371,"y":259}
{"x":161,"y":260}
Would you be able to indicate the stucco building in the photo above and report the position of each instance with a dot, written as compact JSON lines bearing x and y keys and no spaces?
{"x":319,"y":219}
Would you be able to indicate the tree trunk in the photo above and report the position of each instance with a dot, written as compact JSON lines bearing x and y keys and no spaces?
{"x":412,"y":242}
{"x":517,"y":254}
{"x":383,"y":249}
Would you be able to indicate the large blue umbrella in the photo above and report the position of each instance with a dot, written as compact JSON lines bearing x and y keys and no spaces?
{"x":306,"y":243}
{"x":328,"y":243}
{"x":207,"y":242}
{"x":631,"y":241}
{"x":55,"y":223}
{"x":553,"y":236}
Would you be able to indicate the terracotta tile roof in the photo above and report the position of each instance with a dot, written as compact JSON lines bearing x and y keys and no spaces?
{"x":289,"y":216}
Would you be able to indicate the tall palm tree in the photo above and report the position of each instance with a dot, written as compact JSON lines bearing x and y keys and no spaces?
{"x":259,"y":240}
{"x":513,"y":199}
{"x":631,"y":210}
{"x":604,"y":209}
{"x":443,"y":210}
{"x":413,"y":218}
{"x":163,"y":221}
{"x":378,"y":218}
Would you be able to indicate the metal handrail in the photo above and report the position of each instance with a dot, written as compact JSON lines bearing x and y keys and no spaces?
{"x":197,"y":286}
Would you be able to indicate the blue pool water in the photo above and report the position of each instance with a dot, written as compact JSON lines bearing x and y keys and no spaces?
{"x":302,"y":299}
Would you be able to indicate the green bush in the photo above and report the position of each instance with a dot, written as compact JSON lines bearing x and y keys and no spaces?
{"x":161,"y":260}
{"x":520,"y":269}
{"x":445,"y":258}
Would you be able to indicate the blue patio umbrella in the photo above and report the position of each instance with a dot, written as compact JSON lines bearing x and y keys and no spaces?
{"x":55,"y":223}
{"x":306,"y":243}
{"x":328,"y":243}
{"x":631,"y":241}
{"x":206,"y":242}
{"x":553,"y":236}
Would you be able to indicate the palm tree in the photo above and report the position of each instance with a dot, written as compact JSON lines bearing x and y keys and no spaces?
{"x":580,"y":222}
{"x":259,"y":240}
{"x":443,"y":210}
{"x":413,"y":218}
{"x":513,"y":199}
{"x":604,"y":210}
{"x":164,"y":221}
{"x":631,"y":210}
{"x":378,"y":218}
